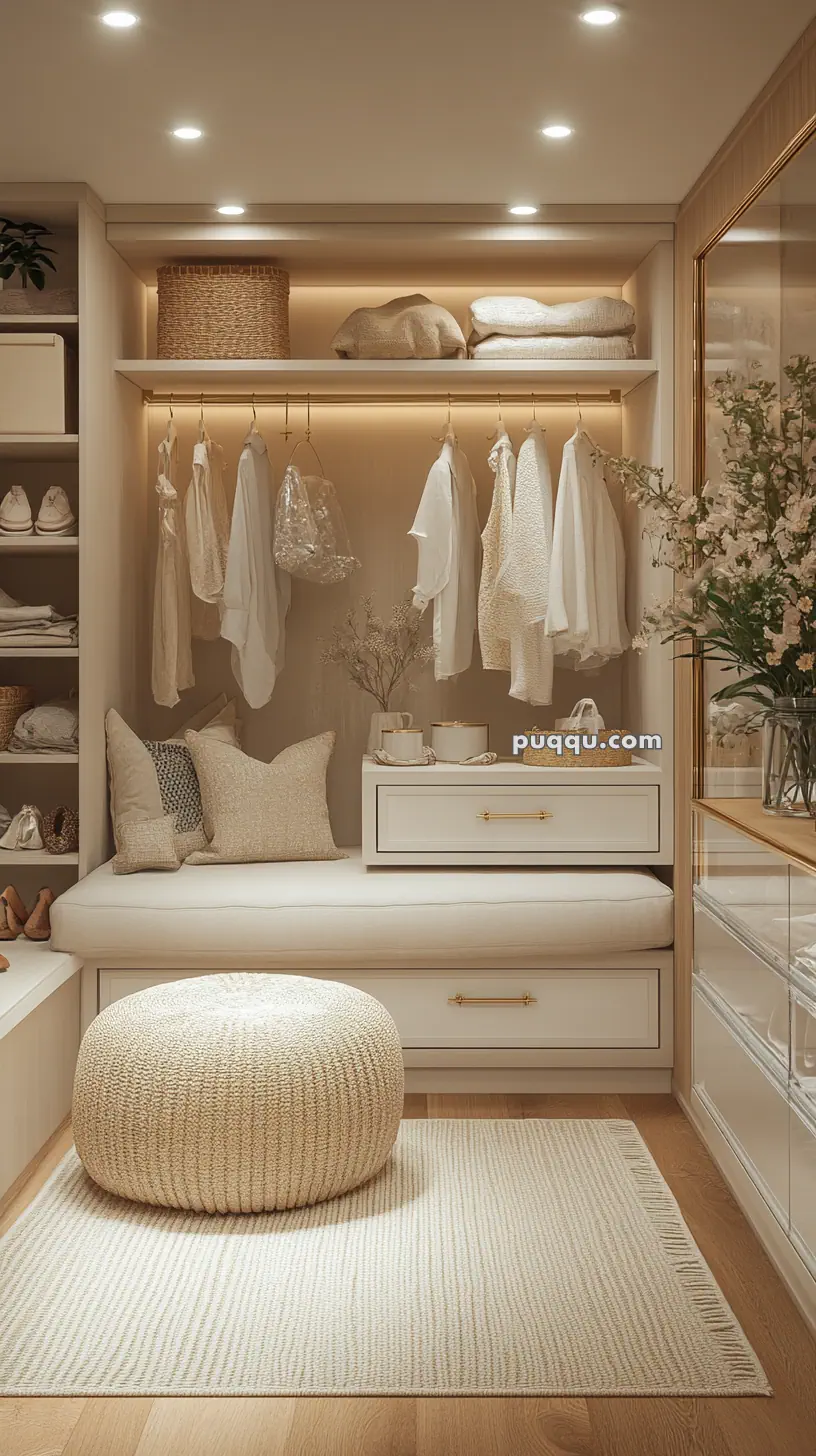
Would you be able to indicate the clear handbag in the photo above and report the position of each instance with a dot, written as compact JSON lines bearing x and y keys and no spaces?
{"x":311,"y":539}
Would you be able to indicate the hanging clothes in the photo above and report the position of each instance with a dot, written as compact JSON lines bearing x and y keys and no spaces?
{"x":207,"y":530}
{"x":446,"y":530}
{"x":256,"y":593}
{"x":172,"y":664}
{"x":586,"y":616}
{"x":525,"y":584}
{"x":495,"y":621}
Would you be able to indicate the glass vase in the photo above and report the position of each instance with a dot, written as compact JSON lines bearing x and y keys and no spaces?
{"x":789,"y":758}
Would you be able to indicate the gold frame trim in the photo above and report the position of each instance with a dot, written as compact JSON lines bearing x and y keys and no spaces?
{"x":805,"y":134}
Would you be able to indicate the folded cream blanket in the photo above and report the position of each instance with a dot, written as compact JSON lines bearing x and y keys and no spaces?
{"x":588,"y":318}
{"x":615,"y":347}
{"x":406,"y":328}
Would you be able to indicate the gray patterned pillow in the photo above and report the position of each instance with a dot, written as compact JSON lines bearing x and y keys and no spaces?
{"x":180,"y":793}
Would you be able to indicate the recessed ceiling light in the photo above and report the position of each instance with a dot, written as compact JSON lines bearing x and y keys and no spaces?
{"x":119,"y":19}
{"x":601,"y":15}
{"x":523,"y":209}
{"x":187,"y":133}
{"x":557,"y":133}
{"x":231,"y":209}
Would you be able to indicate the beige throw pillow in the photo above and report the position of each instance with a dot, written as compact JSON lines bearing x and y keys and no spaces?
{"x":146,"y":844}
{"x":256,"y":812}
{"x":149,"y":780}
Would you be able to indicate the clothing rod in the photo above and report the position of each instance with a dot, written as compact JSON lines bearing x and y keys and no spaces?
{"x":441,"y":398}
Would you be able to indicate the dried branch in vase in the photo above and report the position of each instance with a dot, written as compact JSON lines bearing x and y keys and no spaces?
{"x":378,"y":656}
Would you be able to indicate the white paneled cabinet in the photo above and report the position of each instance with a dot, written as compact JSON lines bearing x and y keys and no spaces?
{"x":754,"y":1038}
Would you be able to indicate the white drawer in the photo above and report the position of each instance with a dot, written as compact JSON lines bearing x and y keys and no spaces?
{"x":512,"y":820}
{"x":803,"y":1180}
{"x":746,"y":1099}
{"x":569,"y":1008}
{"x":747,"y":885}
{"x":754,"y":991}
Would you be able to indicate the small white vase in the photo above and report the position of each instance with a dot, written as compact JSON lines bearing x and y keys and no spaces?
{"x":379,"y":721}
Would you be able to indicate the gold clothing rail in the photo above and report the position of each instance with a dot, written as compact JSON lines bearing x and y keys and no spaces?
{"x":441,"y":397}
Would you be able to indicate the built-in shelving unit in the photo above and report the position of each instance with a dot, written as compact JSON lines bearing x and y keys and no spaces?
{"x":35,"y":323}
{"x":39,"y":447}
{"x":35,"y":857}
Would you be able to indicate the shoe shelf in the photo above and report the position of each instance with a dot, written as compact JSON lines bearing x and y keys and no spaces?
{"x":39,"y":447}
{"x":38,"y":545}
{"x":35,"y":857}
{"x":33,"y":323}
{"x":38,"y":758}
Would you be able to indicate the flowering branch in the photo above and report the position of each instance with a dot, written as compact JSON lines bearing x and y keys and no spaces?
{"x":745,"y":549}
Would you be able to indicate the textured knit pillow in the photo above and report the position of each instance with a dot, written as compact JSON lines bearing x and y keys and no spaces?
{"x":146,"y":844}
{"x":257,"y":811}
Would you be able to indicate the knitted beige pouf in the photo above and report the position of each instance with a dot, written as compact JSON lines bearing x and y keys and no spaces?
{"x":238,"y":1093}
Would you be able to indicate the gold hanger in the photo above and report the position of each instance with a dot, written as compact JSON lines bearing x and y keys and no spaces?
{"x":286,"y":432}
{"x":580,"y":419}
{"x":494,"y":435}
{"x":202,"y":431}
{"x":307,"y":439}
{"x":442,"y":439}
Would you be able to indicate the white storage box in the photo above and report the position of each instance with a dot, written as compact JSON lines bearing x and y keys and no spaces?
{"x":32,"y":384}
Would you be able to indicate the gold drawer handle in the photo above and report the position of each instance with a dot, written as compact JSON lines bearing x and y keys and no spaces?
{"x":487,"y":815}
{"x":525,"y":1000}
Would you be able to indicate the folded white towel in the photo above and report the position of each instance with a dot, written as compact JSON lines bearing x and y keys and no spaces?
{"x":615,"y":347}
{"x":588,"y":317}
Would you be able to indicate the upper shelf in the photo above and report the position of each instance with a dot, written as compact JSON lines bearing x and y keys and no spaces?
{"x":33,"y":323}
{"x":39,"y":447}
{"x":387,"y":376}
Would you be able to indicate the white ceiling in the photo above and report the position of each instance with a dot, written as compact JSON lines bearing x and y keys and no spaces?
{"x":431,"y":101}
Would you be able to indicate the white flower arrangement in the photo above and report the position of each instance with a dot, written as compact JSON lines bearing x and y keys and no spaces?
{"x":379,"y":656}
{"x":745,"y":549}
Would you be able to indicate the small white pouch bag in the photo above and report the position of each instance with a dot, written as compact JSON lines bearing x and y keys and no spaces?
{"x":584,"y":718}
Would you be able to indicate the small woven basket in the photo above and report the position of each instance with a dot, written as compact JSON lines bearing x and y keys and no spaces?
{"x":223,"y":311}
{"x":587,"y":758}
{"x":13,"y":702}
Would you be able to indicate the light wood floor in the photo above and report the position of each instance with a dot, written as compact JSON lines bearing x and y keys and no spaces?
{"x":782,"y":1426}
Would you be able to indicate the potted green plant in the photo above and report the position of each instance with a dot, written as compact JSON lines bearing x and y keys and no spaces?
{"x":23,"y":251}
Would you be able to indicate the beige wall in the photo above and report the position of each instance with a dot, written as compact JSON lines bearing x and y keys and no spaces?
{"x":786,"y":105}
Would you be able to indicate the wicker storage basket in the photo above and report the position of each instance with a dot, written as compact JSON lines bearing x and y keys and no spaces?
{"x":223,"y":311}
{"x":587,"y":758}
{"x":13,"y":702}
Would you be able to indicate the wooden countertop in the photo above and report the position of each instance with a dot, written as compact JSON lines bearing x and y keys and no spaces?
{"x":795,"y":839}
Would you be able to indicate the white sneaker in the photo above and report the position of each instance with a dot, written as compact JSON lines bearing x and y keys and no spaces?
{"x":15,"y":513}
{"x":55,"y":516}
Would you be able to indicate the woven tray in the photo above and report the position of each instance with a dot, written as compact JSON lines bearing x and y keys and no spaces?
{"x":223,"y":311}
{"x":587,"y":758}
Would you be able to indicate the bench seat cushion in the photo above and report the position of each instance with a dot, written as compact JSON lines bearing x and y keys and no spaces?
{"x":335,"y":913}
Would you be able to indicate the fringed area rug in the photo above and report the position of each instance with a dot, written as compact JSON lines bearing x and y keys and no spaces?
{"x":489,"y":1258}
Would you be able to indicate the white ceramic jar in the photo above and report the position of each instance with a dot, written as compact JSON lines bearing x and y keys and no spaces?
{"x":453,"y":742}
{"x":402,"y":743}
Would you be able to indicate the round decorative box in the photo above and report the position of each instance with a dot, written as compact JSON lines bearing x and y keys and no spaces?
{"x":454,"y":742}
{"x":403,"y":743}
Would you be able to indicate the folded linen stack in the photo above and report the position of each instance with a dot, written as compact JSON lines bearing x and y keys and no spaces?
{"x":523,"y":328}
{"x":49,"y":728}
{"x":23,"y":626}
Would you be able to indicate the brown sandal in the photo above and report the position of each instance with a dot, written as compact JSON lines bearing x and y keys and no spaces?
{"x":38,"y":924}
{"x":13,"y":914}
{"x":4,"y":965}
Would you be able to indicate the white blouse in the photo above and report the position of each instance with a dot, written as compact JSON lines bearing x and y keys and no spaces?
{"x":586,"y":615}
{"x":207,"y":526}
{"x":256,"y":592}
{"x":446,"y":530}
{"x":172,"y":665}
{"x":525,"y":584}
{"x":495,"y":621}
